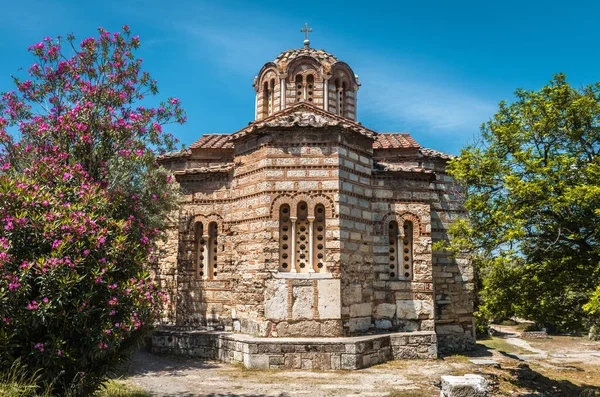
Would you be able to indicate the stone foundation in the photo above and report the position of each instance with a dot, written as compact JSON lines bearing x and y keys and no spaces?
{"x":296,"y":353}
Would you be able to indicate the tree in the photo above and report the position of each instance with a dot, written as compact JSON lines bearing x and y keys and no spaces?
{"x":533,"y":202}
{"x":82,"y":200}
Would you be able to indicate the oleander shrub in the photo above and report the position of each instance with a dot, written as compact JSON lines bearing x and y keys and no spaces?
{"x":82,"y":202}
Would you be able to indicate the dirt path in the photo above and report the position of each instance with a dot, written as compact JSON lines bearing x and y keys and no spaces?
{"x":560,"y":366}
{"x":172,"y":376}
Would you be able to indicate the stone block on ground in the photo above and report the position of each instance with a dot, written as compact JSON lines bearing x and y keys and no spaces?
{"x":469,"y":385}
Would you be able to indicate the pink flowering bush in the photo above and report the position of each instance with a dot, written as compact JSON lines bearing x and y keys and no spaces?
{"x":82,"y":201}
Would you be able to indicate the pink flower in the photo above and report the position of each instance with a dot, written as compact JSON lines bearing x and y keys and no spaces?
{"x":45,"y":300}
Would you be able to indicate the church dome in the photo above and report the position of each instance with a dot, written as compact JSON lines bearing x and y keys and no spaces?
{"x":323,"y":57}
{"x":306,"y":75}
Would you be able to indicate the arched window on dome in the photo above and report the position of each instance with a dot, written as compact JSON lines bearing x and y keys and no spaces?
{"x":271,"y":102}
{"x":309,"y":87}
{"x":265,"y":100}
{"x":299,"y":87}
{"x":340,"y":89}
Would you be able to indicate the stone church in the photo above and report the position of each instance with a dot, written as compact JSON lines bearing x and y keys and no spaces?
{"x":306,"y":223}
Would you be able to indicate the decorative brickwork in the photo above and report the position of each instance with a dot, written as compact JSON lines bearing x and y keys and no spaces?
{"x":316,"y":226}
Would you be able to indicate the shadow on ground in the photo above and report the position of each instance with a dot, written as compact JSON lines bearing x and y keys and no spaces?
{"x":144,"y":363}
{"x":524,"y":377}
{"x":225,"y":395}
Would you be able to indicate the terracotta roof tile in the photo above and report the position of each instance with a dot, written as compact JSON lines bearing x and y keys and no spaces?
{"x":289,"y":55}
{"x":394,"y":140}
{"x":213,"y":141}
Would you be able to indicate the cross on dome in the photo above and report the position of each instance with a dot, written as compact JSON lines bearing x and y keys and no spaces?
{"x":306,"y":30}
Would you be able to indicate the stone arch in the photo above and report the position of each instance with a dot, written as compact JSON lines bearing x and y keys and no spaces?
{"x":400,"y":218}
{"x":297,"y":199}
{"x":269,"y":67}
{"x":304,"y":65}
{"x":206,"y":220}
{"x":342,"y":71}
{"x":326,"y":201}
{"x":278,"y":202}
{"x":311,"y":201}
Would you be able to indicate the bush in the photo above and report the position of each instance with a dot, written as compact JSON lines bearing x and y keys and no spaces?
{"x":82,"y":200}
{"x":74,"y":298}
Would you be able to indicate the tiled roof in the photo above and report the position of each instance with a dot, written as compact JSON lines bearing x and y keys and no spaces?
{"x":289,"y":55}
{"x":394,"y":140}
{"x":213,"y":141}
{"x":426,"y":152}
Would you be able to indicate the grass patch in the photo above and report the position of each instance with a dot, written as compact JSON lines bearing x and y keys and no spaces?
{"x":117,"y":388}
{"x":19,"y":382}
{"x":457,"y":358}
{"x":503,"y":346}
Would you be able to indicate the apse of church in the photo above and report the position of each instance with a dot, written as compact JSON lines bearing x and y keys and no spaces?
{"x":307,"y":223}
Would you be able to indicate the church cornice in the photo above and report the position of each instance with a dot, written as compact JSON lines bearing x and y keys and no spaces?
{"x":304,"y":114}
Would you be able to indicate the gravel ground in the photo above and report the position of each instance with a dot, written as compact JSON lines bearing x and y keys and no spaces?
{"x":174,"y":376}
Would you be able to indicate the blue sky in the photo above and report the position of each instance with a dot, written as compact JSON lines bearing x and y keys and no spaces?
{"x":436,"y":69}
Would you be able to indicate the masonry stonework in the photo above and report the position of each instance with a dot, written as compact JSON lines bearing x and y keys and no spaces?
{"x":305,"y":223}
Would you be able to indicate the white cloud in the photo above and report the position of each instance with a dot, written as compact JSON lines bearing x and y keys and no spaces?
{"x":420,"y":100}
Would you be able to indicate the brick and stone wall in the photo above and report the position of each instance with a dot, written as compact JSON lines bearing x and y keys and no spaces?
{"x":355,"y":292}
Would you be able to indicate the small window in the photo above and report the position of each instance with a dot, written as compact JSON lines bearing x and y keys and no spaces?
{"x":405,"y":271}
{"x":285,"y":244}
{"x":309,"y":89}
{"x":265,"y":102}
{"x":341,"y":93}
{"x":200,"y":250}
{"x":299,"y":87}
{"x":318,"y":261}
{"x":212,"y":249}
{"x":271,"y":99}
{"x":302,"y":239}
{"x":393,"y":249}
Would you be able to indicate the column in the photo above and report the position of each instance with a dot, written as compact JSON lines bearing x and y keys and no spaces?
{"x":283,"y":90}
{"x":293,"y":236}
{"x":256,"y":106}
{"x":311,"y":266}
{"x":326,"y":92}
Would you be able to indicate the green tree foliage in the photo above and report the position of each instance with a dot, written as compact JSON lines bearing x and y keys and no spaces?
{"x":82,"y":201}
{"x":533,"y":202}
